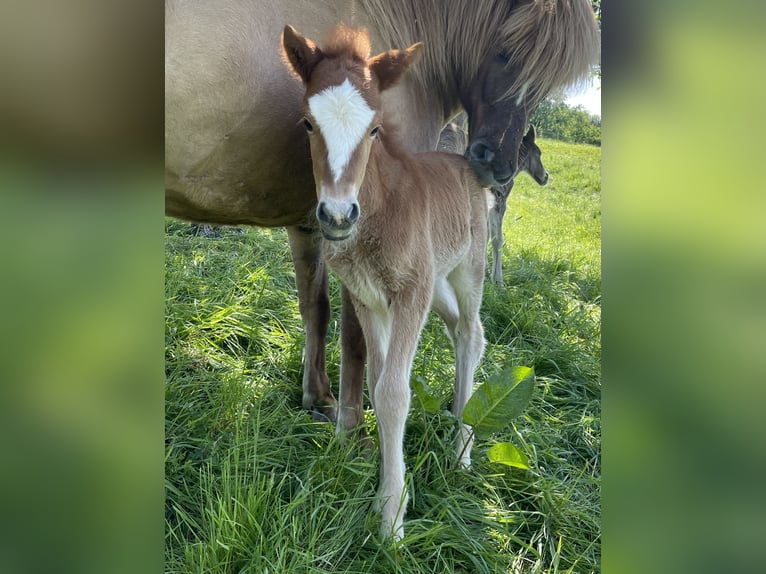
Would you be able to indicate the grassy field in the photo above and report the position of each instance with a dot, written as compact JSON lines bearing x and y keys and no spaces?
{"x":254,"y":485}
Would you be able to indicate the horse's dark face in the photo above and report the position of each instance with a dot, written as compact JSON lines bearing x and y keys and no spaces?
{"x":495,"y":125}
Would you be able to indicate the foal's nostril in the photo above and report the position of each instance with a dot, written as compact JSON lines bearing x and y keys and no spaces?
{"x":353,"y":213}
{"x":322,"y":213}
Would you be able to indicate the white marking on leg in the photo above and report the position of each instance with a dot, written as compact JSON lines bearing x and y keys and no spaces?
{"x":343,"y":118}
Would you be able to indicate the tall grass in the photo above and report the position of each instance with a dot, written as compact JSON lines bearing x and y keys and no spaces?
{"x":254,"y":485}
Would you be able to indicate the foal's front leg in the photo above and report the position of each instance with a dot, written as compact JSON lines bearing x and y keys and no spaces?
{"x":314,"y":303}
{"x":392,"y":402}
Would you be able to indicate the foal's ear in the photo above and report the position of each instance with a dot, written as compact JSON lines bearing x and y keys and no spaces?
{"x":302,"y":54}
{"x":530,"y":137}
{"x":389,"y":66}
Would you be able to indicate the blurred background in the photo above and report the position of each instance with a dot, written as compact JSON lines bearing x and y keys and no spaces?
{"x":684,"y":267}
{"x":81,"y":292}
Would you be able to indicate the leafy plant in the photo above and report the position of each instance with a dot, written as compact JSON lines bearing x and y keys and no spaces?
{"x":428,"y":401}
{"x":494,"y":404}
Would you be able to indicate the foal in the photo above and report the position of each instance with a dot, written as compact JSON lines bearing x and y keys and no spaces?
{"x":453,"y":139}
{"x":404,"y":232}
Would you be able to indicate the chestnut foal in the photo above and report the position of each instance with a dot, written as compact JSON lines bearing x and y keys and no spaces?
{"x":404,"y":232}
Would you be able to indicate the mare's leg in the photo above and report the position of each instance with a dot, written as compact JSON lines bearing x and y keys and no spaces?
{"x":314,"y":302}
{"x":353,"y":350}
{"x":496,"y":215}
{"x":392,"y":401}
{"x":376,"y":327}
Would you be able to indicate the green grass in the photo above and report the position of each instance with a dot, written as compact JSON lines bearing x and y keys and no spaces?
{"x":254,"y":485}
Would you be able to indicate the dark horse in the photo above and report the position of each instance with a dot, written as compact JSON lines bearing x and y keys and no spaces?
{"x":453,"y":140}
{"x":233,"y":130}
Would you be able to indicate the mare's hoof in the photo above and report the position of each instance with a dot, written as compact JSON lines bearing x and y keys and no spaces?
{"x":328,"y":414}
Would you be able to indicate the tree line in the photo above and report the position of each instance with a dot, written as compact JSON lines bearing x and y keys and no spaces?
{"x":556,"y":120}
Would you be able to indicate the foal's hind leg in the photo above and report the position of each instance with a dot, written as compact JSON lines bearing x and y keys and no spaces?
{"x":469,"y":348}
{"x":314,"y":303}
{"x":467,"y":281}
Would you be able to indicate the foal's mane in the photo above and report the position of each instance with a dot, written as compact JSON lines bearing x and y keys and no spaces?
{"x":347,"y":42}
{"x":550,"y":43}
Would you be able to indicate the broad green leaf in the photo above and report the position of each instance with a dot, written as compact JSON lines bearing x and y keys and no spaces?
{"x":430,"y":402}
{"x":507,"y":454}
{"x":499,"y":400}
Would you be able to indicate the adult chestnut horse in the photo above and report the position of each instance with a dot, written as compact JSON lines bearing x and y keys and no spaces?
{"x":233,"y":130}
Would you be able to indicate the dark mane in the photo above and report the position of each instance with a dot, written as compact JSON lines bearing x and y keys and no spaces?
{"x":552,"y":43}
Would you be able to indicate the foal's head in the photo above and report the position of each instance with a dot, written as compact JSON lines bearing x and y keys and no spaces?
{"x":530,"y":158}
{"x":342,"y":114}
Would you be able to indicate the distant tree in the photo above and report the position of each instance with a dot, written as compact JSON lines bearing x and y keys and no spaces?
{"x":556,"y":120}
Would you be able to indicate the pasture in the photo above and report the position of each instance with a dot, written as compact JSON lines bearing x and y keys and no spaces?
{"x":253,"y":484}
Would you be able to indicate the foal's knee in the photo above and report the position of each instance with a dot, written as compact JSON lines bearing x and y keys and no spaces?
{"x":391,"y":400}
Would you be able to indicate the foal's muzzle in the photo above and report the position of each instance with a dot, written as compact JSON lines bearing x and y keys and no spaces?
{"x":337,"y":218}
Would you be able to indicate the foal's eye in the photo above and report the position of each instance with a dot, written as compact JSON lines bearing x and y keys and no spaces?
{"x":503,"y":58}
{"x":374,"y":131}
{"x":307,"y":125}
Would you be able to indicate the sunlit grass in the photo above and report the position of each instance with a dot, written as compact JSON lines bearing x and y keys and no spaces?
{"x":254,"y":485}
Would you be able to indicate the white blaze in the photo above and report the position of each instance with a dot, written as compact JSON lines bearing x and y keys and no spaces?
{"x":343,"y":118}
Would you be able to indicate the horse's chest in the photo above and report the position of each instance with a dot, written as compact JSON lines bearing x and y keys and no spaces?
{"x":370,"y":280}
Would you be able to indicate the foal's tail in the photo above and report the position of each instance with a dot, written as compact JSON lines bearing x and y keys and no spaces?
{"x":552,"y":44}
